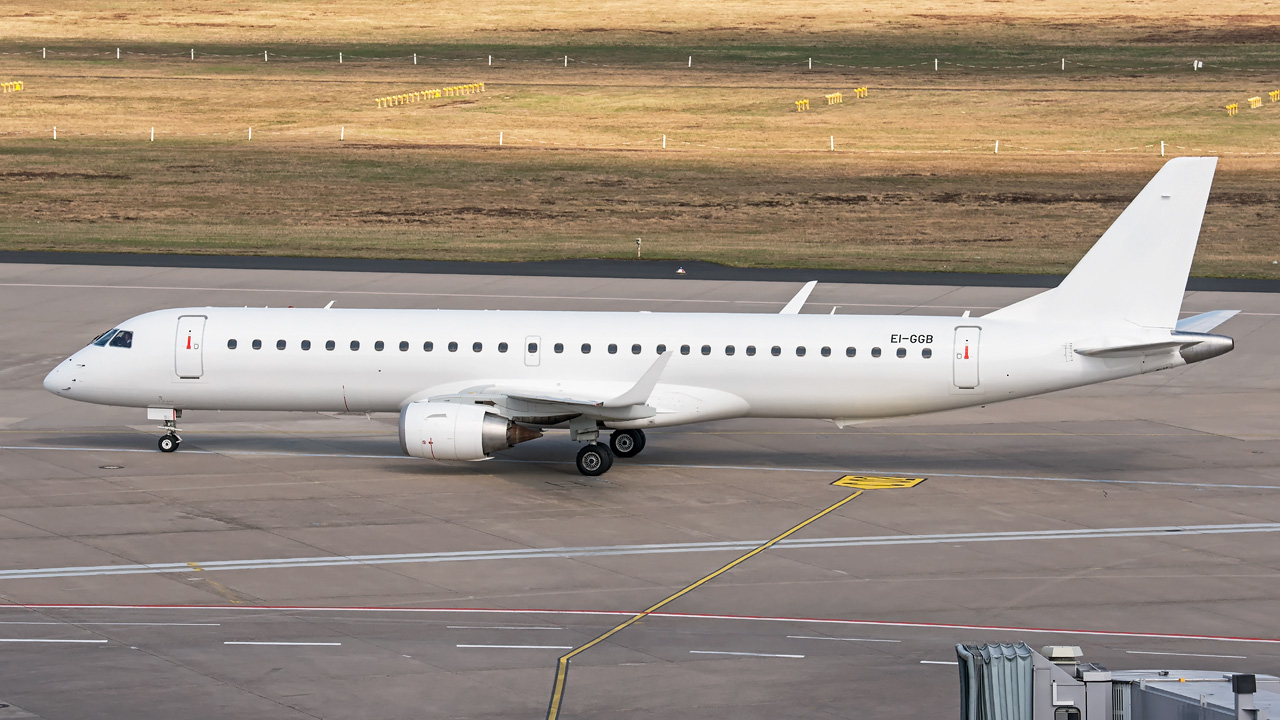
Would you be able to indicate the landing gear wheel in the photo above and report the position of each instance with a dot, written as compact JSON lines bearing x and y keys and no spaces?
{"x":169,"y":443}
{"x":626,"y":443}
{"x":594,"y":459}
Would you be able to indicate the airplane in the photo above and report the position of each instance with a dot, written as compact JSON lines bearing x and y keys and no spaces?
{"x":469,"y":383}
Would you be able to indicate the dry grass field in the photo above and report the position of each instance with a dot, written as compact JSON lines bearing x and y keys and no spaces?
{"x":913,"y":183}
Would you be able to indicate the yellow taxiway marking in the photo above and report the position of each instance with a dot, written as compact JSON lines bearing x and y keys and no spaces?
{"x":218,"y":587}
{"x":870,"y":482}
{"x":562,"y":667}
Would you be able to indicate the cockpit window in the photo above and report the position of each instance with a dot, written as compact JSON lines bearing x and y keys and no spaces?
{"x":101,"y":340}
{"x":123,"y":339}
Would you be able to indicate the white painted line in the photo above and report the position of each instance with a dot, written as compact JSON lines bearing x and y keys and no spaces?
{"x":818,"y":637}
{"x":137,"y":624}
{"x":648,"y":549}
{"x":939,"y":662}
{"x":303,"y":611}
{"x":503,"y":627}
{"x":302,"y":644}
{"x":1145,"y":652}
{"x":521,"y":647}
{"x":744,"y":654}
{"x":47,"y":640}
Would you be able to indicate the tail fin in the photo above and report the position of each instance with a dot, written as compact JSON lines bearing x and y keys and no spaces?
{"x":1138,"y":270}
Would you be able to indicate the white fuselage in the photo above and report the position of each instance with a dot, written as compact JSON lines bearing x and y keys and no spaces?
{"x":181,"y":359}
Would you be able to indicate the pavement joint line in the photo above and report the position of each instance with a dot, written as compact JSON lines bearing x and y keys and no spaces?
{"x":562,"y":665}
{"x":622,"y":550}
{"x":749,"y":468}
{"x":269,"y":610}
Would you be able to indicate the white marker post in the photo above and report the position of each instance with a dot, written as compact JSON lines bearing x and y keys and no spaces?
{"x":499,"y":138}
{"x":153,"y":134}
{"x":810,"y":63}
{"x":566,"y":61}
{"x":415,"y":58}
{"x":250,"y":133}
{"x":117,"y":53}
{"x":339,"y":57}
{"x":935,"y":64}
{"x":342,"y":132}
{"x":664,"y":142}
{"x":690,"y":61}
{"x":55,"y":132}
{"x":43,"y":52}
{"x":1161,"y":148}
{"x":490,"y":61}
{"x":264,"y":56}
{"x":193,"y":53}
{"x":997,"y":147}
{"x":833,"y":142}
{"x":1064,"y":64}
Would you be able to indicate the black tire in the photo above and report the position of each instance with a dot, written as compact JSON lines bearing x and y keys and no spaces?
{"x":626,"y":443}
{"x":169,"y":443}
{"x":594,"y":459}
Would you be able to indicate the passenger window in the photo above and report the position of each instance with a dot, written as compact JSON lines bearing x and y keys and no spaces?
{"x":280,"y":344}
{"x":635,"y":349}
{"x":800,"y":351}
{"x":661,"y":349}
{"x":453,"y":347}
{"x":586,"y":348}
{"x":231,"y":344}
{"x":329,"y":345}
{"x":926,"y":353}
{"x":533,"y":348}
{"x":306,"y":344}
{"x":728,"y":349}
{"x":875,"y":352}
{"x":477,"y":347}
{"x":502,"y":347}
{"x":706,"y":349}
{"x":902,"y":352}
{"x":379,"y":346}
{"x":751,"y":350}
{"x":613,"y":348}
{"x":775,"y":350}
{"x":558,"y":347}
{"x":428,"y":346}
{"x":101,"y":340}
{"x":404,"y":346}
{"x":355,"y":345}
{"x":850,"y":351}
{"x":257,"y":344}
{"x":826,"y":352}
{"x":123,"y":339}
{"x":684,"y":349}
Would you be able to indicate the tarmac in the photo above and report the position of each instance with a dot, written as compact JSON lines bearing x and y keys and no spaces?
{"x":296,"y":566}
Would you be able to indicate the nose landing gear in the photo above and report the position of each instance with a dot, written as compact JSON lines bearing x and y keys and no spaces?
{"x":169,"y":416}
{"x":170,"y":442}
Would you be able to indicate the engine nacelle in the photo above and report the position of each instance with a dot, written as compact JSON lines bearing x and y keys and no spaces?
{"x":452,"y":431}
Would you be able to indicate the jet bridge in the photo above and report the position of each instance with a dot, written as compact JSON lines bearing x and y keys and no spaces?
{"x":1013,"y":682}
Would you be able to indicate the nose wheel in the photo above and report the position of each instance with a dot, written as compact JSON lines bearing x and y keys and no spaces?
{"x":169,"y":443}
{"x":594,"y":459}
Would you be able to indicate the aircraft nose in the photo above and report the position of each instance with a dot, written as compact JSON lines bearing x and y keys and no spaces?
{"x":58,"y":381}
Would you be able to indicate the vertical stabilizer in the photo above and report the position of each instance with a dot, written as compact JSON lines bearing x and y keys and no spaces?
{"x":1137,"y":271}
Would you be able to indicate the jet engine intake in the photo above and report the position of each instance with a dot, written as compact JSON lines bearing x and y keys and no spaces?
{"x":452,"y":431}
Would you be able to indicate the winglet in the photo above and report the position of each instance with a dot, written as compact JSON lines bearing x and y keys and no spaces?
{"x":797,"y":302}
{"x":640,"y":392}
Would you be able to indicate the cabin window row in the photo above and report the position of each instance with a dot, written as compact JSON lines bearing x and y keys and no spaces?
{"x":612,"y":348}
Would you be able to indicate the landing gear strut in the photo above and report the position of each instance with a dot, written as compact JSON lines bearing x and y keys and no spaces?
{"x":594,"y":459}
{"x":170,"y":440}
{"x":626,"y":443}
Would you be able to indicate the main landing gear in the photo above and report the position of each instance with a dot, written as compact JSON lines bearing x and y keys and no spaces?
{"x":595,"y":459}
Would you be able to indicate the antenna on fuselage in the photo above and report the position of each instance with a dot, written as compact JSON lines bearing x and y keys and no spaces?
{"x":326,"y":307}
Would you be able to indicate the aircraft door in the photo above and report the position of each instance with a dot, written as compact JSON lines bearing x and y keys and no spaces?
{"x":965,"y":365}
{"x":533,"y":351}
{"x":188,"y":357}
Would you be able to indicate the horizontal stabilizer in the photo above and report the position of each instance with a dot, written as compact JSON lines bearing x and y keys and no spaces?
{"x":1192,"y":346}
{"x":1204,"y":322}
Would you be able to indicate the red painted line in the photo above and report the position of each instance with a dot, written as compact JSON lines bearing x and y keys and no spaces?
{"x":696,"y":616}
